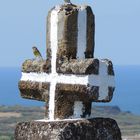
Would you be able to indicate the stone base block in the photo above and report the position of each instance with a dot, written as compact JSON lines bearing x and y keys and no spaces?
{"x":91,"y":129}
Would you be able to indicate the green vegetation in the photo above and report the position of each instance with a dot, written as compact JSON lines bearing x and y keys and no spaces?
{"x":10,"y":116}
{"x":6,"y":137}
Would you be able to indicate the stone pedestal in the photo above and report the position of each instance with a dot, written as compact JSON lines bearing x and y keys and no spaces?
{"x":82,"y":129}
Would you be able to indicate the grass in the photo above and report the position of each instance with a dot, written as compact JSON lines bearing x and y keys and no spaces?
{"x":6,"y":137}
{"x":128,"y":123}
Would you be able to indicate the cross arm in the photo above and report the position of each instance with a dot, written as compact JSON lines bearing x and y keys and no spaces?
{"x":32,"y":65}
{"x":34,"y":90}
{"x":73,"y":66}
{"x":84,"y":67}
{"x":81,"y":77}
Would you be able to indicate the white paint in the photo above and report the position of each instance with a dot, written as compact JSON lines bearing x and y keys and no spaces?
{"x":103,"y":80}
{"x":59,"y":78}
{"x":78,"y":109}
{"x":58,"y":120}
{"x":54,"y":47}
{"x":82,"y":33}
{"x":103,"y":90}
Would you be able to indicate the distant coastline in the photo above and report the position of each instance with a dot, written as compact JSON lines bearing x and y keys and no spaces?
{"x":10,"y":115}
{"x":126,"y":96}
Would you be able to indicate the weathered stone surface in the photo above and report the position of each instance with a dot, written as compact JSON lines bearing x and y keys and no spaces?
{"x":68,"y":91}
{"x":90,"y":33}
{"x":65,"y":102}
{"x":69,"y":80}
{"x":110,"y":67}
{"x":32,"y":65}
{"x":67,"y":33}
{"x":74,"y":66}
{"x":48,"y":43}
{"x":65,"y":97}
{"x":34,"y":90}
{"x":93,"y":129}
{"x":67,"y":94}
{"x":78,"y":92}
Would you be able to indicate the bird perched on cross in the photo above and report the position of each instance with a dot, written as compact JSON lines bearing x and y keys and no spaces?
{"x":37,"y":53}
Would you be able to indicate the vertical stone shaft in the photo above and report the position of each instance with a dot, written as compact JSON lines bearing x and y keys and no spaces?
{"x":68,"y":37}
{"x":76,"y":29}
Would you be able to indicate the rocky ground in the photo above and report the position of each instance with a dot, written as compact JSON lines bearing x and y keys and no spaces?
{"x":10,"y":116}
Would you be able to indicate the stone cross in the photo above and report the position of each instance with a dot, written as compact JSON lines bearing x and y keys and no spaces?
{"x":70,"y":79}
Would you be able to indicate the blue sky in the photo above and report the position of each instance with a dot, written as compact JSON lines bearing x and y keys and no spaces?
{"x":23,"y":24}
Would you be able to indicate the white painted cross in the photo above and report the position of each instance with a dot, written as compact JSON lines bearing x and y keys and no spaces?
{"x":103,"y":80}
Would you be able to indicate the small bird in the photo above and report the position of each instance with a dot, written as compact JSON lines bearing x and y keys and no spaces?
{"x":37,"y":54}
{"x":67,"y":1}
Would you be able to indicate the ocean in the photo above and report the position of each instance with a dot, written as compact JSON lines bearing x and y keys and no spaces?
{"x":126,"y":96}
